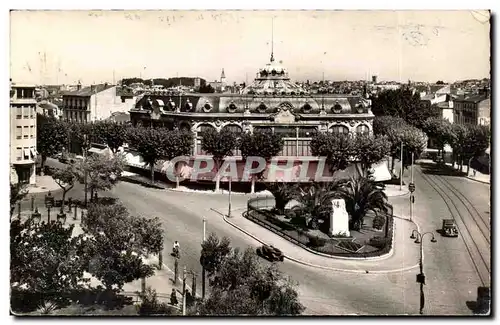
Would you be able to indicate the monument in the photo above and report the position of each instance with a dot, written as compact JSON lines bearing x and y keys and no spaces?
{"x":339,"y":219}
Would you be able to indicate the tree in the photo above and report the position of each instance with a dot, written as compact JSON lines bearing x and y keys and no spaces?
{"x":439,"y":130}
{"x":118,"y":243}
{"x":459,"y":143}
{"x":206,"y":89}
{"x":242,"y":286}
{"x":103,"y":172}
{"x":178,"y":143}
{"x":51,"y":137}
{"x":110,"y":133}
{"x":66,"y":179}
{"x":264,"y":144}
{"x":315,"y":202}
{"x":477,"y":142}
{"x":383,"y":125}
{"x":115,"y":264}
{"x":150,"y":143}
{"x":362,"y":195}
{"x":283,"y":193}
{"x":17,"y":193}
{"x":213,"y":252}
{"x":220,"y":145}
{"x":414,"y":141}
{"x":46,"y":260}
{"x":404,"y":103}
{"x":337,"y":148}
{"x":369,"y":150}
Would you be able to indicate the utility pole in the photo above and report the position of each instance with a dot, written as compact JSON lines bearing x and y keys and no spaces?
{"x":203,"y":267}
{"x":401,"y":169}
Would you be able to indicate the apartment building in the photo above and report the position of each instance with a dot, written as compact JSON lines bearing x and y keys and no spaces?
{"x":22,"y":134}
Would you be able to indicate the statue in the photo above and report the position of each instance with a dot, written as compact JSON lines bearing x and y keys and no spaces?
{"x":339,"y":219}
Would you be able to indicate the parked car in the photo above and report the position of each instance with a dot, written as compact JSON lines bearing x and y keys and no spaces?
{"x":483,"y":302}
{"x":449,"y":228}
{"x":270,"y":253}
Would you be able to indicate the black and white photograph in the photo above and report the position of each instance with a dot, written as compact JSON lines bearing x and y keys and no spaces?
{"x":195,"y":163}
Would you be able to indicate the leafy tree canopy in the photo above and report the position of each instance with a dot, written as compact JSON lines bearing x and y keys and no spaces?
{"x":337,"y":148}
{"x":263,"y":144}
{"x":51,"y":137}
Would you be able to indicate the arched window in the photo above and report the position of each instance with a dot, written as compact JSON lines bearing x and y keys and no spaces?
{"x":362,"y":129}
{"x":199,"y":131}
{"x":339,"y":129}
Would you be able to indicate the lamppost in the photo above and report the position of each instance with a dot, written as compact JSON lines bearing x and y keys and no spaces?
{"x":411,"y":187}
{"x":421,"y":277}
{"x":49,"y":203}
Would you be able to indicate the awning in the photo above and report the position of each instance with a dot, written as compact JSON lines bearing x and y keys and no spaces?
{"x":381,"y":172}
{"x":27,"y":152}
{"x":96,"y":150}
{"x":33,"y":152}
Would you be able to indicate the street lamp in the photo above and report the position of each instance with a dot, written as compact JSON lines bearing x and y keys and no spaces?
{"x":49,"y":203}
{"x":421,"y":277}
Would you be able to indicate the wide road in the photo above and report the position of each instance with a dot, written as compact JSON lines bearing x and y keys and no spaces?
{"x":321,"y":291}
{"x":453,"y":274}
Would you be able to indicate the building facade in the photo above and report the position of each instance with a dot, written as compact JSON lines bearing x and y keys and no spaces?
{"x":473,"y":110}
{"x":22,"y":134}
{"x":272,"y":102}
{"x":94,"y":103}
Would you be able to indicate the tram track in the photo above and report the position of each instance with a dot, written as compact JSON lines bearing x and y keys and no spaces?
{"x":471,"y":233}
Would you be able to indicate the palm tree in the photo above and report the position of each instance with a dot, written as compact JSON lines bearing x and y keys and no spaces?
{"x":362,"y":195}
{"x":315,"y":201}
{"x":283,"y":193}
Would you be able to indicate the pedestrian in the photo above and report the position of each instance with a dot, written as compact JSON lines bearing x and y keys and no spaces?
{"x":474,"y":172}
{"x":173,"y":298}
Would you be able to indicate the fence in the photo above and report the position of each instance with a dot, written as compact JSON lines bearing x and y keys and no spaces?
{"x":259,"y":211}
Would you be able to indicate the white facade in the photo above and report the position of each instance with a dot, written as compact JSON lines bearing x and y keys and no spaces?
{"x":23,"y":134}
{"x":96,"y":106}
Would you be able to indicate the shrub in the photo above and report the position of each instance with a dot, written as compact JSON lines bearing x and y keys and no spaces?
{"x":290,"y":214}
{"x":378,"y":222}
{"x":378,"y":242}
{"x":316,"y":241}
{"x":151,"y":306}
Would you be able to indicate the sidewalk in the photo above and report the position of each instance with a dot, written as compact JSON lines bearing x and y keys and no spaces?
{"x":403,"y":257}
{"x":478,"y":176}
{"x":43,"y":184}
{"x":393,"y":190}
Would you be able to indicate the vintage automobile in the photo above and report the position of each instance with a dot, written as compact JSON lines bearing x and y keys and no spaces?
{"x":449,"y":228}
{"x":270,"y":253}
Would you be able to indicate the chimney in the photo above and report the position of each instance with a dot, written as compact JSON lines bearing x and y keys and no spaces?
{"x":79,"y":86}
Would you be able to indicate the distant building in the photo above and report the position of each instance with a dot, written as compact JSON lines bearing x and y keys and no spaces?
{"x":374,"y":79}
{"x":219,"y":86}
{"x":22,"y":134}
{"x":197,"y":83}
{"x":473,"y":110}
{"x":94,"y":103}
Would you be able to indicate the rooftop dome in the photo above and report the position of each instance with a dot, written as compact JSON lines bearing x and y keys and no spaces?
{"x":273,"y":79}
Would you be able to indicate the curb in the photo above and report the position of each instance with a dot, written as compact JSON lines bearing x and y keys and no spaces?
{"x":398,"y":195}
{"x":476,"y":180}
{"x":320,"y":266}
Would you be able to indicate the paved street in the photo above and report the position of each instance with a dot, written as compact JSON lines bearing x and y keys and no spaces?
{"x":452,"y":277}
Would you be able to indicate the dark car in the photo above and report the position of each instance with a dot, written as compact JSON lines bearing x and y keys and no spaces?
{"x":449,"y":228}
{"x":270,"y":253}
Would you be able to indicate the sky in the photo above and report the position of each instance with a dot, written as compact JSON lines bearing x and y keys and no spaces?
{"x":49,"y":47}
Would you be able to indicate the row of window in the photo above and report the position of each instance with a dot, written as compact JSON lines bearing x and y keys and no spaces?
{"x":26,"y":153}
{"x":25,"y":112}
{"x":25,"y":93}
{"x":75,"y":102}
{"x":76,"y":116}
{"x":25,"y":132}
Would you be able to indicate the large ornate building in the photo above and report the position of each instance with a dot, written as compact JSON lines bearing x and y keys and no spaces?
{"x":272,"y":102}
